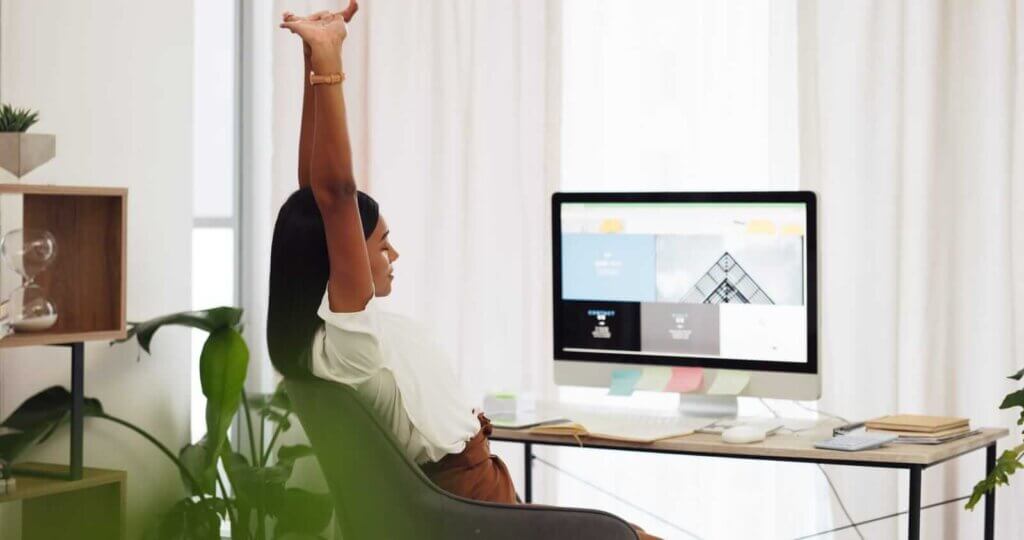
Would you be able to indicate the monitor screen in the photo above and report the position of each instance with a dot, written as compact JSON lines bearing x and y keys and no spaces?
{"x":721,"y":280}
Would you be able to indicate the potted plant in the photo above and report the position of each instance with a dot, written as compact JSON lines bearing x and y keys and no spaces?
{"x":251,"y":493}
{"x":21,"y":152}
{"x":1010,"y":460}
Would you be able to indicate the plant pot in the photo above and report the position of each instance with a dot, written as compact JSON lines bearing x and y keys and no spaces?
{"x":22,"y":152}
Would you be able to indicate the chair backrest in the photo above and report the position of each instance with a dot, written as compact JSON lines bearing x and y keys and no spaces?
{"x":378,"y":492}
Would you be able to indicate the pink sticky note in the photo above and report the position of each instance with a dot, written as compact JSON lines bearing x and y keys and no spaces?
{"x":685,"y":379}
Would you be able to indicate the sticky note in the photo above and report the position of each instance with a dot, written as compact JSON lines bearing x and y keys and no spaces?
{"x":685,"y":379}
{"x":761,"y":226}
{"x":623,"y":382}
{"x":793,"y":229}
{"x":611,"y":226}
{"x":729,"y":383}
{"x":654,"y":378}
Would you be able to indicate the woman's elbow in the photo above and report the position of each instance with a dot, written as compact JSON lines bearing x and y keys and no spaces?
{"x":334,"y":188}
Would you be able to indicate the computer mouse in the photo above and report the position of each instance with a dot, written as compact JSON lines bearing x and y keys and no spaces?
{"x":743,"y":435}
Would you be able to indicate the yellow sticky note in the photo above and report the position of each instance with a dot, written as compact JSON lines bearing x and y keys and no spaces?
{"x":654,"y":378}
{"x":761,"y":226}
{"x":611,"y":226}
{"x":793,"y":229}
{"x":729,"y":383}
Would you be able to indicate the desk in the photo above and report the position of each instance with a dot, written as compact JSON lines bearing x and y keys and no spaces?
{"x":797,"y":447}
{"x":93,"y":507}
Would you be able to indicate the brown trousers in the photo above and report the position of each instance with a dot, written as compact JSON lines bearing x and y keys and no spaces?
{"x":476,"y":474}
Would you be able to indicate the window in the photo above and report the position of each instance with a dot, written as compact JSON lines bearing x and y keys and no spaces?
{"x":215,"y":237}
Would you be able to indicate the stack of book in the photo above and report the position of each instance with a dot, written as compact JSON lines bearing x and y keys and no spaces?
{"x":919,"y":429}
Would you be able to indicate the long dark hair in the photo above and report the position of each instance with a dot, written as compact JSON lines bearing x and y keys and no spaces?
{"x":299,"y":270}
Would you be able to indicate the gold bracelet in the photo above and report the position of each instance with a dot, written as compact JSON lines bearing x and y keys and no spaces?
{"x":331,"y":78}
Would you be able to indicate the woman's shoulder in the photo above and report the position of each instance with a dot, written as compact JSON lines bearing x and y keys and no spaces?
{"x":364,"y":321}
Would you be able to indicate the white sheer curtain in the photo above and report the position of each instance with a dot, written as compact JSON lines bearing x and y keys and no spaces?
{"x":904,"y":116}
{"x":447,"y":103}
{"x":684,"y":96}
{"x":913,"y":135}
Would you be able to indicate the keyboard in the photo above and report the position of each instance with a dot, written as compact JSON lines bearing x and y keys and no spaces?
{"x":635,"y":425}
{"x":854,"y":443}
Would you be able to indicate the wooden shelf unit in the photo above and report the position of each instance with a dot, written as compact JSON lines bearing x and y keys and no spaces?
{"x":91,"y":508}
{"x":87,"y":279}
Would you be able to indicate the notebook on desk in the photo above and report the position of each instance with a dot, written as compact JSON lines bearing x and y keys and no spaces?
{"x":917,"y":423}
{"x":523,"y":421}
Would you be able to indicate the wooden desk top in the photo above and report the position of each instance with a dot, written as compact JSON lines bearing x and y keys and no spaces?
{"x":784,"y":447}
{"x":28,"y":487}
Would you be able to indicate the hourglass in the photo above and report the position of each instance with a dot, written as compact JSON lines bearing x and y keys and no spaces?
{"x":29,"y":252}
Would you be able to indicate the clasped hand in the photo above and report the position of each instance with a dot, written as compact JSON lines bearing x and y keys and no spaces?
{"x":323,"y":30}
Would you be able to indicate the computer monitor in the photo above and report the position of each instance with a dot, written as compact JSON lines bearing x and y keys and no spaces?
{"x":720,"y":281}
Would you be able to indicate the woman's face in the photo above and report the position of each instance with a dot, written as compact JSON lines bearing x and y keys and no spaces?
{"x":382,"y":256}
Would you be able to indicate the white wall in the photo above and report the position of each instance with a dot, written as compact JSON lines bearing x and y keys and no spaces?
{"x":113,"y":81}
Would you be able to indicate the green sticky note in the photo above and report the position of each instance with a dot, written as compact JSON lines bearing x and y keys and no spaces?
{"x":729,"y":383}
{"x":623,"y":382}
{"x":654,"y":378}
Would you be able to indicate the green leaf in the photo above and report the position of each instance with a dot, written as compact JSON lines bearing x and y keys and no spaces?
{"x":193,"y":520}
{"x":16,"y":120}
{"x":1017,"y":376}
{"x":278,"y":400}
{"x":296,"y":536}
{"x":47,"y":406}
{"x":288,"y":454}
{"x":1007,"y":464}
{"x":278,"y":418}
{"x":195,"y":459}
{"x":222,"y":368}
{"x":254,"y":487}
{"x":210,"y":320}
{"x":236,"y":467}
{"x":38,"y":417}
{"x":303,"y":512}
{"x":1016,"y":399}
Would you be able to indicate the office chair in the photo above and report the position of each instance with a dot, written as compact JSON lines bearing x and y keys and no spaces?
{"x":378,"y":492}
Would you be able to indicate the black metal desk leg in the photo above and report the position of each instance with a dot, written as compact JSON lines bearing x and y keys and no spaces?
{"x":990,"y":497}
{"x":77,"y":406}
{"x":528,"y":472}
{"x":914,"y":510}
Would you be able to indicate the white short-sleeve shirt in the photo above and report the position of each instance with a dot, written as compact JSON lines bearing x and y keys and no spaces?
{"x":395,"y":365}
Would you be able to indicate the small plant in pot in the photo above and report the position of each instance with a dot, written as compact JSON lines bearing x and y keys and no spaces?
{"x":21,"y":152}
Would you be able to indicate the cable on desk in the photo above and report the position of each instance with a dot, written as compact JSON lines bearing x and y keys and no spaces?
{"x":616,"y":497}
{"x":828,"y":478}
{"x":882,"y":518}
{"x":819,"y":411}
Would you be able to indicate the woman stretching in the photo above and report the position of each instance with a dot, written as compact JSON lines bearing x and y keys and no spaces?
{"x":330,"y":258}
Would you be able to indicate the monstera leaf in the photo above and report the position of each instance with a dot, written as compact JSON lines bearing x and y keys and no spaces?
{"x":210,"y":320}
{"x":38,"y":417}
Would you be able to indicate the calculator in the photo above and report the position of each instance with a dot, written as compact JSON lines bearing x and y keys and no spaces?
{"x":853,"y":443}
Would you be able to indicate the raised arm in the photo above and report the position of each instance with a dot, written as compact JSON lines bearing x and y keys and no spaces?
{"x":308,"y":104}
{"x":350,"y":286}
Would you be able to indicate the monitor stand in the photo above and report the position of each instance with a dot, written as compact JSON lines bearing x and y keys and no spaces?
{"x":705,"y":406}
